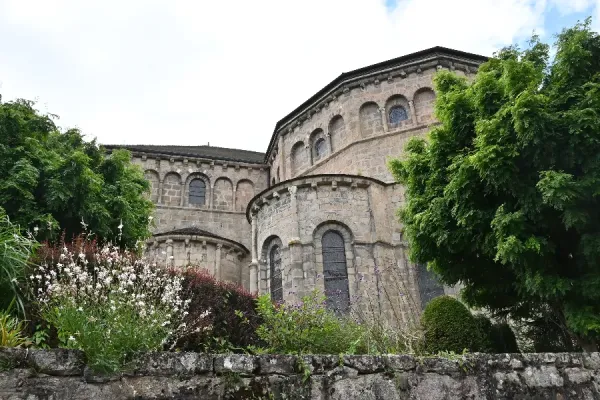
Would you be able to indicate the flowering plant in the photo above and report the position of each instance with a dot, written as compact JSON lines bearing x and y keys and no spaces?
{"x":110,"y":304}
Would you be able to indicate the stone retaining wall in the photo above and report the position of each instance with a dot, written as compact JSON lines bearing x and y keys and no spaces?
{"x":61,"y":374}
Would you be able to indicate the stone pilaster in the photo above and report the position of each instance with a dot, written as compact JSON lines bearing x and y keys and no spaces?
{"x":384,"y":121}
{"x":413,"y":114}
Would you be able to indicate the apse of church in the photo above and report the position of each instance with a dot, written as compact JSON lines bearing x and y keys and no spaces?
{"x":318,"y":209}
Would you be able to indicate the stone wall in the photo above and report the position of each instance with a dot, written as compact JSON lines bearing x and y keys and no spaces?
{"x":229,"y":186}
{"x":381,"y":282}
{"x":359,"y":113}
{"x":61,"y":374}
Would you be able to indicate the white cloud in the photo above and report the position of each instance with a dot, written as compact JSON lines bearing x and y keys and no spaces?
{"x":190,"y":72}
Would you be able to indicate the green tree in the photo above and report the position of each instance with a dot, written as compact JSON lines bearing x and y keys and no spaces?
{"x":53,"y":181}
{"x":503,"y":195}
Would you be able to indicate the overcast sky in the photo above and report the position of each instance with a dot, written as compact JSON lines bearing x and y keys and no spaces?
{"x":191,"y":72}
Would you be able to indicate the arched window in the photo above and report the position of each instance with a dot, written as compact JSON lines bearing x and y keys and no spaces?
{"x":320,"y":148}
{"x":273,"y":182}
{"x":275,"y":267}
{"x":397,"y":114}
{"x":197,"y":192}
{"x":335,"y":272}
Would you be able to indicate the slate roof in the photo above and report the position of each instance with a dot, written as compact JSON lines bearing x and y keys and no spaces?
{"x":195,"y":231}
{"x":209,"y":152}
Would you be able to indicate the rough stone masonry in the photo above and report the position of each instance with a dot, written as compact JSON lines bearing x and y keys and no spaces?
{"x":62,"y":374}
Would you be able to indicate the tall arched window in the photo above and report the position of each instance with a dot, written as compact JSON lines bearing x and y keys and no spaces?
{"x":197,"y":192}
{"x":335,"y":272}
{"x":275,"y":267}
{"x":397,"y":115}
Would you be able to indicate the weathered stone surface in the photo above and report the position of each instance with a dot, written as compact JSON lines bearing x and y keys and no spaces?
{"x":59,"y":362}
{"x":53,"y":375}
{"x":236,"y":363}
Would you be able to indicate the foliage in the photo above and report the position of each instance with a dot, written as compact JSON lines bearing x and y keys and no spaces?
{"x":50,"y":180}
{"x":503,"y":338}
{"x":111,"y":305}
{"x":449,"y":326}
{"x":15,"y":250}
{"x":307,"y":328}
{"x":233,"y":316}
{"x":495,"y":337}
{"x":503,"y":196}
{"x":11,"y":330}
{"x":542,"y":333}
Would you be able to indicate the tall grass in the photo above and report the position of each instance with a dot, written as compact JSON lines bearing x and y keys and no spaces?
{"x":15,"y":250}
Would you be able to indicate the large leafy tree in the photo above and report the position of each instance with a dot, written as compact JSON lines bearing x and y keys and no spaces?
{"x":504,"y":195}
{"x":53,"y":182}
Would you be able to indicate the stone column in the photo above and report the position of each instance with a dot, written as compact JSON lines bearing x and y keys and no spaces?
{"x":160,"y":191}
{"x":413,"y":114}
{"x":384,"y":121}
{"x":328,"y":138}
{"x":170,"y":260}
{"x":254,"y":270}
{"x":210,"y":195}
{"x":183,"y":194}
{"x":308,"y":147}
{"x":218,"y":262}
{"x":294,"y":273}
{"x":281,"y":159}
{"x":294,"y":207}
{"x":233,"y":198}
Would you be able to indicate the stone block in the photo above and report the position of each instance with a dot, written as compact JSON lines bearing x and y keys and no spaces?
{"x":165,"y":364}
{"x":277,"y":364}
{"x":57,"y":362}
{"x":236,"y":363}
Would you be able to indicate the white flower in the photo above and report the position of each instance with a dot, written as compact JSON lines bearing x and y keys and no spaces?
{"x":71,"y":338}
{"x":36,"y":229}
{"x":79,"y":309}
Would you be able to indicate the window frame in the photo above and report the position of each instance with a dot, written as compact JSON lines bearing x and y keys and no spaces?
{"x":192,"y":194}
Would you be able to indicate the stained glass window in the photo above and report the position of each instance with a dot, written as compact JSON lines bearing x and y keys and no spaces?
{"x":320,"y":148}
{"x":335,"y":272}
{"x":276,"y":281}
{"x":397,"y":115}
{"x":197,"y":192}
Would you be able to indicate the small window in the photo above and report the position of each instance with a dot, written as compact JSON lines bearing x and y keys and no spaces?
{"x":320,"y":148}
{"x":275,"y":267}
{"x":197,"y":192}
{"x":397,"y":115}
{"x":335,"y":272}
{"x":273,"y":182}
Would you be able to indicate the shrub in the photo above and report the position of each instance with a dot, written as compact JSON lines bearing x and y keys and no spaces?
{"x":503,"y":339}
{"x":449,"y":326}
{"x":482,"y":337}
{"x":15,"y":250}
{"x":110,"y":306}
{"x":307,"y":327}
{"x":233,"y":314}
{"x":11,"y":330}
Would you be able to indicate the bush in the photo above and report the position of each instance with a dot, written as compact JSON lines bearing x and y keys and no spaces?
{"x":494,"y":337}
{"x":233,"y":316}
{"x":307,"y":327}
{"x":449,"y":326}
{"x":111,"y":305}
{"x":11,"y":330}
{"x":503,"y":339}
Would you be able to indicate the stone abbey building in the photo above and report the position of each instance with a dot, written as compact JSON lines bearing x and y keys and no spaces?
{"x":318,"y":208}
